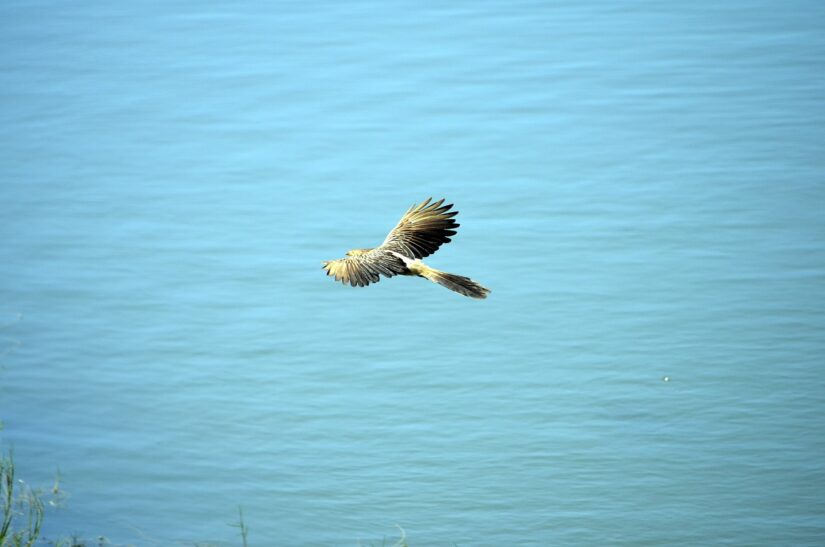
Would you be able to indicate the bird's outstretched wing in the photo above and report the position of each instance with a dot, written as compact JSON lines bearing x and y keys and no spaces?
{"x":419,"y":233}
{"x":361,"y":270}
{"x":422,"y":229}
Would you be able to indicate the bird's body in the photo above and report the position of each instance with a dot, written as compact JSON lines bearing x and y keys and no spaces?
{"x":419,"y":233}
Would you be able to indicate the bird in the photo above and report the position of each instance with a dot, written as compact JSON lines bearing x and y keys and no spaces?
{"x":420,"y":232}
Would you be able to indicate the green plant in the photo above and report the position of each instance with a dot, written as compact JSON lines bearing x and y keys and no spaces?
{"x":23,"y":504}
{"x":402,"y":541}
{"x":244,"y":528}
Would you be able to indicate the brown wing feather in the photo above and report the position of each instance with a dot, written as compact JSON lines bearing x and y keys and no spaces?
{"x":422,"y":229}
{"x":364,"y":269}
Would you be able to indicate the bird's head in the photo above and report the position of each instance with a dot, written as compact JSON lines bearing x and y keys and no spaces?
{"x":357,"y":252}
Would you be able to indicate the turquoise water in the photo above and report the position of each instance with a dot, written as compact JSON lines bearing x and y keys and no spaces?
{"x":641,"y":186}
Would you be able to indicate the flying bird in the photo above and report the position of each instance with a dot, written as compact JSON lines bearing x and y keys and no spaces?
{"x":419,"y":233}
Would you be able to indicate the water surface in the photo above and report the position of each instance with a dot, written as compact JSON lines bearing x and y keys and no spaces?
{"x":641,"y":186}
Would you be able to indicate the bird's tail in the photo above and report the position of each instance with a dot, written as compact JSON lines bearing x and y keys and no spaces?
{"x":458,"y":283}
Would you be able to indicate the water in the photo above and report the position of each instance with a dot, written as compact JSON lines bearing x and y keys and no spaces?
{"x":640,"y":186}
